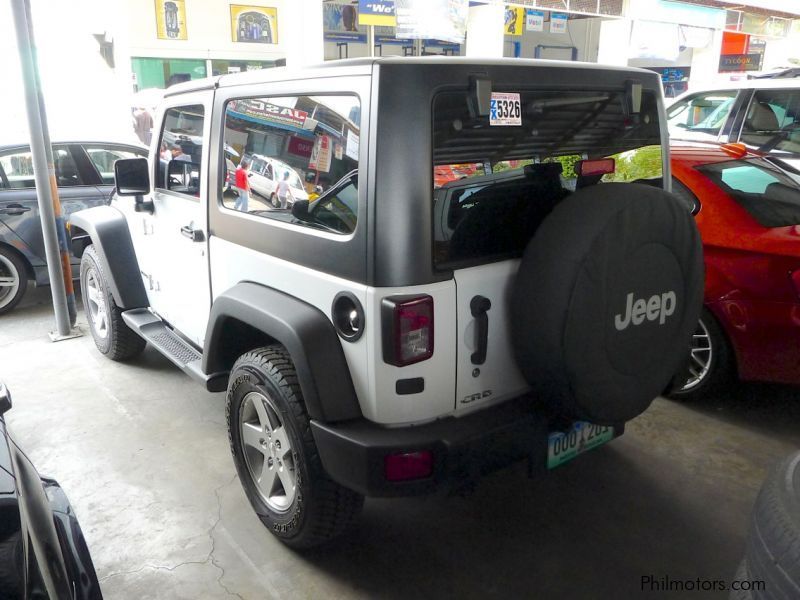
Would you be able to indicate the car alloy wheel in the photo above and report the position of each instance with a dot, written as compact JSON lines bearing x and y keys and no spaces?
{"x":702,"y":353}
{"x":268,"y":451}
{"x":10,"y":281}
{"x":98,"y":311}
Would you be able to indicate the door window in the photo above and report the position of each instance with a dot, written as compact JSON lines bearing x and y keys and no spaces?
{"x":181,"y":150}
{"x":306,"y":148}
{"x":17,"y":170}
{"x":701,"y":115}
{"x":104,"y":157}
{"x":773,"y":121}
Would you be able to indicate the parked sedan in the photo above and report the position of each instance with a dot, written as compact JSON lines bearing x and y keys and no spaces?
{"x":43,"y":553}
{"x":748,"y":213}
{"x":85,"y":178}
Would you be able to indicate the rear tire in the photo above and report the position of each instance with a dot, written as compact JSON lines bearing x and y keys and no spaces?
{"x":275,"y":454}
{"x":711,"y":361}
{"x":110,"y":333}
{"x":773,"y":542}
{"x":13,"y":279}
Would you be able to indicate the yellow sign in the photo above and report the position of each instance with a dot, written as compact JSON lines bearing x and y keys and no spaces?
{"x":515,"y":21}
{"x":254,"y":24}
{"x":171,"y":19}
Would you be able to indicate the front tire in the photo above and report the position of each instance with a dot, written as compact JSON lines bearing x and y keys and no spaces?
{"x":711,"y":364}
{"x":13,"y":279}
{"x":275,"y":454}
{"x":110,"y":333}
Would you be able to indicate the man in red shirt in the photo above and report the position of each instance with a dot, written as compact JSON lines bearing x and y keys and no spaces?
{"x":242,"y":187}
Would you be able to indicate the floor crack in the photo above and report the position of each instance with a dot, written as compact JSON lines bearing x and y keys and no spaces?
{"x":209,"y":559}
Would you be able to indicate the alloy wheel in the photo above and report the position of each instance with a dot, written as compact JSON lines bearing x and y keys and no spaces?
{"x":98,"y":309}
{"x":701,"y":355}
{"x":267,"y":451}
{"x":10,"y":281}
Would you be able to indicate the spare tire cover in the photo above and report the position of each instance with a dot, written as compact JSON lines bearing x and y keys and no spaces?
{"x":606,"y":300}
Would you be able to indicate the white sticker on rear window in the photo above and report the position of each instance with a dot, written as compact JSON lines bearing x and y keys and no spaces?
{"x":505,"y":109}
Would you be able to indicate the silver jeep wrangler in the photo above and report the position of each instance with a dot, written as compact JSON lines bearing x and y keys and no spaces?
{"x":471,"y":263}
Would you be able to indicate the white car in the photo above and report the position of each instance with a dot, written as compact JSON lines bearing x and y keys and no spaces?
{"x":265,"y":173}
{"x":763,"y":114}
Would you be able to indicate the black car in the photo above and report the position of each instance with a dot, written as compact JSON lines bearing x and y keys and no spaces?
{"x":85,"y":178}
{"x":42,"y":550}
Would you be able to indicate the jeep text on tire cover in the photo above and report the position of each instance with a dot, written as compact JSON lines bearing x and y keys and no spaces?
{"x":398,"y":287}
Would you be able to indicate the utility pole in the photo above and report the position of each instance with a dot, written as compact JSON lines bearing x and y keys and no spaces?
{"x":54,"y":229}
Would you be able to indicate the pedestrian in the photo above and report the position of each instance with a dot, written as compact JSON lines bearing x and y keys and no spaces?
{"x":177,"y":153}
{"x":143,"y":124}
{"x":242,"y":187}
{"x":284,"y":192}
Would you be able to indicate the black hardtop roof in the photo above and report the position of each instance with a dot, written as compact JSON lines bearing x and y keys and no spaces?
{"x":364,"y":66}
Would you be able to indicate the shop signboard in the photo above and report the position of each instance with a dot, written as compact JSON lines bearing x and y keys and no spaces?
{"x":534,"y":20}
{"x":260,"y":111}
{"x":514,"y":21}
{"x":432,"y":19}
{"x":171,"y":20}
{"x":739,"y":62}
{"x":321,"y":154}
{"x":254,"y":24}
{"x":376,"y":12}
{"x":300,"y":147}
{"x":558,"y":22}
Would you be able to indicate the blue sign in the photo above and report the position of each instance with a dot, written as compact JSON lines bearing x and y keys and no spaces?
{"x":376,"y":12}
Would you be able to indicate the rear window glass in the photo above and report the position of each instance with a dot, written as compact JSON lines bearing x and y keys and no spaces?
{"x":494,"y":185}
{"x":769,"y":194}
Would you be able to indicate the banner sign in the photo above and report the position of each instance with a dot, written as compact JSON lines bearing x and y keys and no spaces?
{"x":258,"y":110}
{"x":514,"y":21}
{"x":739,"y":62}
{"x":171,"y":20}
{"x":300,"y":147}
{"x":345,"y":36}
{"x":432,"y":19}
{"x":391,"y":40}
{"x":254,"y":24}
{"x":321,"y":154}
{"x":558,"y":22}
{"x":376,"y":12}
{"x":534,"y":20}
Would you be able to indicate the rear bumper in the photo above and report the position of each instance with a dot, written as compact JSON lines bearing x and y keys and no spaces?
{"x":464,"y":449}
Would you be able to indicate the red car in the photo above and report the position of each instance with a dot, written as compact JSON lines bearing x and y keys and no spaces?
{"x":747,"y":208}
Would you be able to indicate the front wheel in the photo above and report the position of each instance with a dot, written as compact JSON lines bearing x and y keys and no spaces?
{"x":710,"y":366}
{"x":110,"y":333}
{"x":275,"y":454}
{"x":13,"y":280}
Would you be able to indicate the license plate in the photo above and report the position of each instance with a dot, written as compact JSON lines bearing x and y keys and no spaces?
{"x":563,"y":446}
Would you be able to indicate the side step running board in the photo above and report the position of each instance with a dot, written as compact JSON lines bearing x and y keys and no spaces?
{"x":174,"y":347}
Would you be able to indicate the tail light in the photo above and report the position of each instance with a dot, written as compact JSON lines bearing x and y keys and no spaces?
{"x":795,"y":277}
{"x":600,"y":166}
{"x":408,"y":465}
{"x":407,"y":325}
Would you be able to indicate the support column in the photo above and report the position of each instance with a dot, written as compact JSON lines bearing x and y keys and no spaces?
{"x":301,"y":33}
{"x":485,"y":34}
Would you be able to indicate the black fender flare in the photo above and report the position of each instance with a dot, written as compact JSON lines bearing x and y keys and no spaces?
{"x":305,"y":331}
{"x":107,"y":229}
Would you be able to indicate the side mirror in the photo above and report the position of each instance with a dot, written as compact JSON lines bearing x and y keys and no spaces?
{"x":5,"y":399}
{"x":131,"y":177}
{"x":300,"y":209}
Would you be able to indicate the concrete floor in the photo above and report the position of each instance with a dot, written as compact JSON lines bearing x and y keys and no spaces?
{"x":142,"y":452}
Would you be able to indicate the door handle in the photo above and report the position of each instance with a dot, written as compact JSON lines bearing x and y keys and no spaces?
{"x":14,"y":209}
{"x":196,"y":235}
{"x":479,"y":306}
